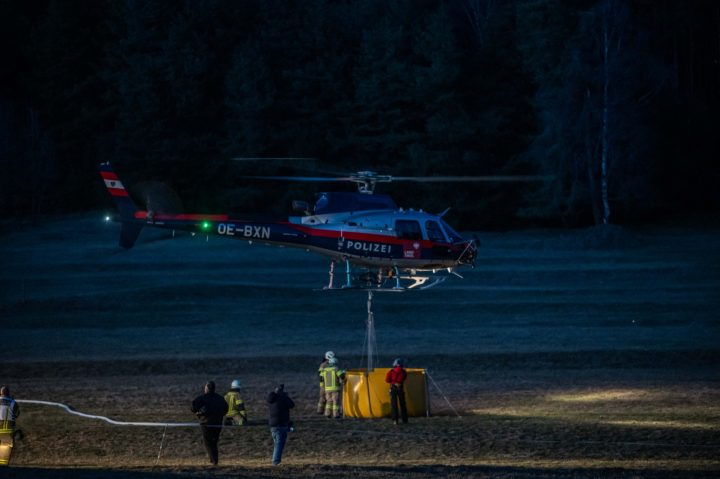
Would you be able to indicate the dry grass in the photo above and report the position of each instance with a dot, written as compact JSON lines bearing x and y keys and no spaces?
{"x":643,"y":430}
{"x":562,"y":361}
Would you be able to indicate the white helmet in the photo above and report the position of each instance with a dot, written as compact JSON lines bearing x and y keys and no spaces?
{"x":236,"y":384}
{"x":329,"y":355}
{"x":332,"y":361}
{"x":399,"y":362}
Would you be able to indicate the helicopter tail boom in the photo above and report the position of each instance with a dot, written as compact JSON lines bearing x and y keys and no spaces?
{"x":125,"y":205}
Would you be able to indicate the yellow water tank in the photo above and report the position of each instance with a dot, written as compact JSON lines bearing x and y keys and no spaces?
{"x":367,"y":395}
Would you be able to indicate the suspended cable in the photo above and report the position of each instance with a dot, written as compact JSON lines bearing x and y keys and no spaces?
{"x":442,"y":394}
{"x":162,"y":441}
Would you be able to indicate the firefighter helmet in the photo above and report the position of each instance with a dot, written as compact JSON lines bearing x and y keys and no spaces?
{"x":329,"y":355}
{"x":236,"y":384}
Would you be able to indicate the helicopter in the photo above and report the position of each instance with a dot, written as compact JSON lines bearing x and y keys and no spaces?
{"x":383,"y":247}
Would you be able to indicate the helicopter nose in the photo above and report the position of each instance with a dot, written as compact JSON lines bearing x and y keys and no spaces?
{"x":468,"y":254}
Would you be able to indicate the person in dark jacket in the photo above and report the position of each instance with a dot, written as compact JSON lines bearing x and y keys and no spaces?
{"x":210,"y":408}
{"x":280,"y":424}
{"x":396,"y":378}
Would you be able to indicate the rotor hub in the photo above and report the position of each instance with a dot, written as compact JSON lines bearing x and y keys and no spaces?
{"x":366,"y":181}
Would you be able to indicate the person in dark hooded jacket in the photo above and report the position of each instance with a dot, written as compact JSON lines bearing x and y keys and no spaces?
{"x":210,"y":408}
{"x":280,"y":424}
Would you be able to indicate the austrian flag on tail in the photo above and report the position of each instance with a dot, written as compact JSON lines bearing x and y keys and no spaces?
{"x":113,"y":184}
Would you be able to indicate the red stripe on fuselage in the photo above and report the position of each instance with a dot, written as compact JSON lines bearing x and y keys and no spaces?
{"x":108,"y":175}
{"x":355,"y":236}
{"x":189,"y":217}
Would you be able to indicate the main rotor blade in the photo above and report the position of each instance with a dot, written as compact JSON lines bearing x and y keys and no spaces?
{"x":417,"y":179}
{"x":300,"y":178}
{"x":441,"y":179}
{"x":274,"y":158}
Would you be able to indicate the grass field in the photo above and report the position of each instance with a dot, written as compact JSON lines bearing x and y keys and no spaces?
{"x":562,"y":354}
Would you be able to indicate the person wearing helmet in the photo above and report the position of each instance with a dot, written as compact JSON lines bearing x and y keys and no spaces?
{"x":332,"y":379}
{"x":396,"y":378}
{"x":237,"y":414}
{"x":321,"y":399}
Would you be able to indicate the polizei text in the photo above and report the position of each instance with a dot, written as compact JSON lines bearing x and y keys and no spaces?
{"x":369,"y":247}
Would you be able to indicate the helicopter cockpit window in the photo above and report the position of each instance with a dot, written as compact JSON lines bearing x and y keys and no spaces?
{"x":321,"y":203}
{"x":408,"y":229}
{"x":434,"y":232}
{"x":452,"y":234}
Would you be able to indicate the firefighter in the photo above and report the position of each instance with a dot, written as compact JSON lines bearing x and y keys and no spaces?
{"x":9,"y":411}
{"x":332,"y":377}
{"x":396,"y":378}
{"x":236,"y":415}
{"x":323,"y":365}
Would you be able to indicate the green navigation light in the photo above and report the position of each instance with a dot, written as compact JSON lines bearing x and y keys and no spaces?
{"x":205,"y":225}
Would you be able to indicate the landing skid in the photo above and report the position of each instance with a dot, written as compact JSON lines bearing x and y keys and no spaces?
{"x":424,"y":282}
{"x":390,"y":280}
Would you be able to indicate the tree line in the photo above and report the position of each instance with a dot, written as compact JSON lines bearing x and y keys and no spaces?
{"x":615,"y":100}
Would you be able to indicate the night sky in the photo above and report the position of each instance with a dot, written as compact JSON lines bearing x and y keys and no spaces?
{"x":616,"y":100}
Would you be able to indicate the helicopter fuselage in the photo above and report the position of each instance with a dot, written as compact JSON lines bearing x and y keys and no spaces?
{"x":369,"y":238}
{"x":359,"y":229}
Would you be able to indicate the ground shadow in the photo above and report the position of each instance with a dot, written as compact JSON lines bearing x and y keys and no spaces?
{"x":371,"y":472}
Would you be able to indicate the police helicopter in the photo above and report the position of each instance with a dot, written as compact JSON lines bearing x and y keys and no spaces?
{"x":382,"y":247}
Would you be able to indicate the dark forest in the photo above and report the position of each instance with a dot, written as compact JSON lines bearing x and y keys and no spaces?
{"x":615,"y":101}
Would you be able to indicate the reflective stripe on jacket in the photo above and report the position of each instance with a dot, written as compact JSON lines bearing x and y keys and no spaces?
{"x":236,"y":406}
{"x":322,"y":366}
{"x":332,"y":378}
